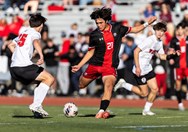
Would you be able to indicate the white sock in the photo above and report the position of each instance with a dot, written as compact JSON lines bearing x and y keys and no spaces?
{"x":40,"y":93}
{"x":101,"y":110}
{"x":180,"y":104}
{"x":147,"y":106}
{"x":127,"y":86}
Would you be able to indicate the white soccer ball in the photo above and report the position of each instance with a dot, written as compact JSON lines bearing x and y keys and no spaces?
{"x":70,"y":110}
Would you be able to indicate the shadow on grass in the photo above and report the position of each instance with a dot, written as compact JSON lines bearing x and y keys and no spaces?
{"x":26,"y":116}
{"x":174,"y":109}
{"x":93,"y":115}
{"x":135,"y":114}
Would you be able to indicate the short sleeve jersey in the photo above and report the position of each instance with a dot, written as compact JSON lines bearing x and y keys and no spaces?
{"x":107,"y":45}
{"x":149,"y":47}
{"x":24,"y":48}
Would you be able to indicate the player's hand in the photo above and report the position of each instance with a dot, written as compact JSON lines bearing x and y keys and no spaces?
{"x":124,"y":57}
{"x":178,"y":52}
{"x":138,"y":71}
{"x":151,"y":19}
{"x":40,"y":62}
{"x":56,"y":53}
{"x":75,"y":68}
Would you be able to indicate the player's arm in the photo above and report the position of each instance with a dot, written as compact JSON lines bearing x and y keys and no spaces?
{"x":38,"y":48}
{"x":143,"y":26}
{"x":11,"y":45}
{"x":86,"y":58}
{"x":172,"y":54}
{"x":136,"y":60}
{"x":162,"y":56}
{"x":169,"y":56}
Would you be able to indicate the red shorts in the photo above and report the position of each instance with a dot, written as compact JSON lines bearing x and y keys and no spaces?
{"x":180,"y":73}
{"x":93,"y":72}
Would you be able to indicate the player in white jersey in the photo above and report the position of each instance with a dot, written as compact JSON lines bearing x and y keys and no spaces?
{"x":24,"y":70}
{"x":143,"y":71}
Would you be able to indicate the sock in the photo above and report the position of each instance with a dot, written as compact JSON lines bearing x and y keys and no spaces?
{"x":147,"y":106}
{"x":104,"y":104}
{"x":178,"y":95}
{"x":40,"y":93}
{"x":180,"y":104}
{"x":101,"y":111}
{"x":127,"y":86}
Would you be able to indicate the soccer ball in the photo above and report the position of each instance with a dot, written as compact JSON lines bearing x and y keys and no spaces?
{"x":70,"y":110}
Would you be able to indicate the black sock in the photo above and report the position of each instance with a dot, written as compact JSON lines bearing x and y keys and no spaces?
{"x":178,"y":95}
{"x":104,"y":104}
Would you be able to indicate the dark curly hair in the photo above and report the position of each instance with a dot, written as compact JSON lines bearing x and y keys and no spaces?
{"x":36,"y":20}
{"x":104,"y":13}
{"x":160,"y":26}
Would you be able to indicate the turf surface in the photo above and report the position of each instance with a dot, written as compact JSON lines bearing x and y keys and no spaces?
{"x":20,"y":119}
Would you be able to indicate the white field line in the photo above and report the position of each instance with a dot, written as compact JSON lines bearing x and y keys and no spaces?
{"x":168,"y":117}
{"x":13,"y":123}
{"x":153,"y":126}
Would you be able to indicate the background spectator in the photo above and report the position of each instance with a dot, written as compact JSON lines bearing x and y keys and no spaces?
{"x":33,"y":5}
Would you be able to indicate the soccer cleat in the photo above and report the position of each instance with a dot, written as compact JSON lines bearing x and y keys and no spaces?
{"x":37,"y":115}
{"x":181,"y":107}
{"x":147,"y":113}
{"x":119,"y":84}
{"x":102,"y":114}
{"x":99,"y":115}
{"x":106,"y":115}
{"x":39,"y":110}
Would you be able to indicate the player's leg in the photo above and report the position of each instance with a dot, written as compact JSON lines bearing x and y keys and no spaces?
{"x":141,"y":90}
{"x":108,"y":82}
{"x":152,"y":84}
{"x":90,"y":74}
{"x":178,"y":95}
{"x":135,"y":84}
{"x":178,"y":77}
{"x":84,"y":82}
{"x":46,"y":80}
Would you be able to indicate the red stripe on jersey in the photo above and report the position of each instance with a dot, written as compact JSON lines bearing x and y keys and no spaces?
{"x":90,"y":48}
{"x":183,"y":53}
{"x":130,"y":28}
{"x":109,"y":42}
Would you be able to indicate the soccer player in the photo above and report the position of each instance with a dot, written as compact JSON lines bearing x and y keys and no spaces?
{"x":143,"y":71}
{"x":24,"y":70}
{"x":179,"y":42}
{"x":103,"y":53}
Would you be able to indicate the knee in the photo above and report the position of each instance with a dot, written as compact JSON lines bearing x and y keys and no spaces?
{"x":144,"y":94}
{"x":155,"y":90}
{"x":81,"y":85}
{"x":51,"y":79}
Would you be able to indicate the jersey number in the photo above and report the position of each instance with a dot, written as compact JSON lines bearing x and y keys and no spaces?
{"x":110,"y":45}
{"x":22,"y":38}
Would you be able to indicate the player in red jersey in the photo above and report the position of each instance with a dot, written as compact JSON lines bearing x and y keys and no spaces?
{"x":103,"y":52}
{"x":179,"y":42}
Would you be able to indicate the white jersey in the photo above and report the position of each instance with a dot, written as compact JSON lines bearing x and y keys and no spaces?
{"x":148,"y":48}
{"x":23,"y":52}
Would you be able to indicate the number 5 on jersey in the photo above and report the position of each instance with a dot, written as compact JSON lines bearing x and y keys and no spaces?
{"x":22,"y":38}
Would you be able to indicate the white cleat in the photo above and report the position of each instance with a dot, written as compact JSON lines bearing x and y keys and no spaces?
{"x":147,"y":113}
{"x":119,"y":84}
{"x":181,"y":107}
{"x":38,"y":109}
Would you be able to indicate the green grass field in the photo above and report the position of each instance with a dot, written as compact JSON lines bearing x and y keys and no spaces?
{"x":20,"y":119}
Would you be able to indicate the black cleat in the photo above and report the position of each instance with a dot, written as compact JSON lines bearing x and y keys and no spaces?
{"x":37,"y":115}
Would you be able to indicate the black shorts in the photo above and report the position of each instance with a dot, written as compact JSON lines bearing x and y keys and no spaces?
{"x":142,"y":80}
{"x":27,"y":74}
{"x":130,"y":77}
